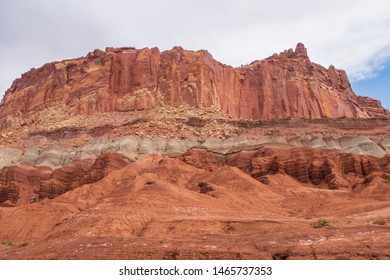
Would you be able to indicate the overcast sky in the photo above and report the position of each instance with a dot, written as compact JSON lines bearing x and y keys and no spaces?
{"x":351,"y":34}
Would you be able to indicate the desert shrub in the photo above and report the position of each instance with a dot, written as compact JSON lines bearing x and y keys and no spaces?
{"x":320,"y":223}
{"x":7,"y":243}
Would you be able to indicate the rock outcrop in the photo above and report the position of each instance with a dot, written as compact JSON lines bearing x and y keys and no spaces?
{"x":372,"y":105}
{"x":321,"y":168}
{"x":20,"y":184}
{"x":27,"y":183}
{"x":285,"y":85}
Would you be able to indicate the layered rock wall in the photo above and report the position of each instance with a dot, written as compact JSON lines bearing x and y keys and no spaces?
{"x":282,"y":86}
{"x":134,"y":148}
{"x":25,"y":183}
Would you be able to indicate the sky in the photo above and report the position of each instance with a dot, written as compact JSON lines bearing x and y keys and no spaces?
{"x":351,"y":34}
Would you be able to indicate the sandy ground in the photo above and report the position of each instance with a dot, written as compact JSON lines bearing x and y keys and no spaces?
{"x":162,"y":208}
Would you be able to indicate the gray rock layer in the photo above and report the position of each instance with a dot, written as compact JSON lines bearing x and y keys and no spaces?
{"x":136,"y":147}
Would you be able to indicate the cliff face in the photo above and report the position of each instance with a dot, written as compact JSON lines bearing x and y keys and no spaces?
{"x":281,"y":86}
{"x":26,"y":183}
{"x":320,"y":168}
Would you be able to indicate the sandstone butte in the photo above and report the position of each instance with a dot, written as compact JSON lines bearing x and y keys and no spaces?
{"x":285,"y":85}
{"x":142,"y":154}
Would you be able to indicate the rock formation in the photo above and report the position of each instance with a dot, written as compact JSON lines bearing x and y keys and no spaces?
{"x":164,"y":208}
{"x":321,"y":168}
{"x":26,"y":183}
{"x":142,"y":154}
{"x":285,"y":85}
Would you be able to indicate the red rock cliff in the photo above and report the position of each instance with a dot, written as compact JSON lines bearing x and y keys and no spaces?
{"x":281,"y":86}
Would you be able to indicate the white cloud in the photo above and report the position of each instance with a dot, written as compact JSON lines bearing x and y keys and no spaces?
{"x":352,"y":35}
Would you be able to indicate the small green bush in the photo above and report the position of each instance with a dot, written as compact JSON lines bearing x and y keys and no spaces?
{"x":7,"y":243}
{"x":320,"y":223}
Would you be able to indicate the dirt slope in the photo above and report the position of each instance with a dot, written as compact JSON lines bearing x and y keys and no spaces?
{"x":164,"y":208}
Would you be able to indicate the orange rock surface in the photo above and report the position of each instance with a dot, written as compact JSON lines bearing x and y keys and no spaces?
{"x":26,"y":183}
{"x":281,"y":86}
{"x":163,"y":208}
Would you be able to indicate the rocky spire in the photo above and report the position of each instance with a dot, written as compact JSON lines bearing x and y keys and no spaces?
{"x":301,"y":51}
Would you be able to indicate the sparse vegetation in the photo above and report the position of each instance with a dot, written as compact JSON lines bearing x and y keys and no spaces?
{"x":8,"y":243}
{"x":320,"y":223}
{"x":380,"y":221}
